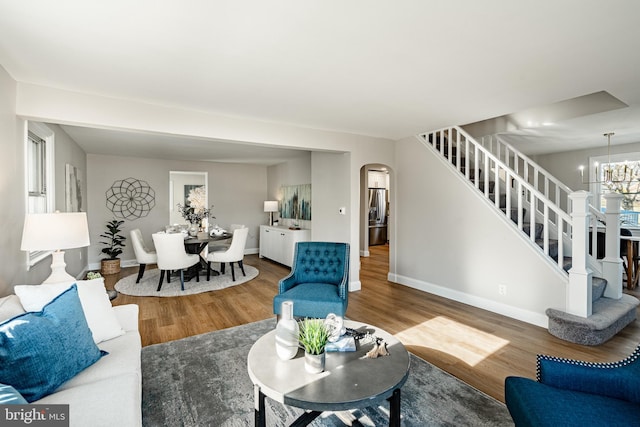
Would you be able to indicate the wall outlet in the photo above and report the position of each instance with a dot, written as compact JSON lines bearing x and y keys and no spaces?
{"x":342,"y":210}
{"x":502,"y":289}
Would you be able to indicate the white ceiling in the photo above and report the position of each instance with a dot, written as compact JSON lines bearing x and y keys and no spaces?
{"x":172,"y":147}
{"x":387,"y":69}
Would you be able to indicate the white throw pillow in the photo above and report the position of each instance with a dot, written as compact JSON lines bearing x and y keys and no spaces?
{"x":95,"y":302}
{"x":10,"y":307}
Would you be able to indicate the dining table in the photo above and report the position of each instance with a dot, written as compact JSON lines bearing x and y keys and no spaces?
{"x":196,"y":245}
{"x":633,"y":260}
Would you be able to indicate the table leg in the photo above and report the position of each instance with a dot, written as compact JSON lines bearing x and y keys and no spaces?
{"x":635,"y":265}
{"x":630,"y":269}
{"x":260,"y":416}
{"x":394,"y":409}
{"x":305,"y":419}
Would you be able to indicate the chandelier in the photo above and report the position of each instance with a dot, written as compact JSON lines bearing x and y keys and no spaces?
{"x":611,"y":174}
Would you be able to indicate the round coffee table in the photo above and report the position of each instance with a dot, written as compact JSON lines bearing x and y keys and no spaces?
{"x":349,"y":381}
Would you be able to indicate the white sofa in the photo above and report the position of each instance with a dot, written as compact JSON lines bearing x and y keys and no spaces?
{"x":109,"y":392}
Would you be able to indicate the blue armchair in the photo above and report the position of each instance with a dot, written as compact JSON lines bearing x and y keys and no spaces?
{"x":575,"y":393}
{"x":319,"y":280}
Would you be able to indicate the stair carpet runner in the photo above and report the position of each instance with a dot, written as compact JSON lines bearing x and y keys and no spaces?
{"x":609,"y":316}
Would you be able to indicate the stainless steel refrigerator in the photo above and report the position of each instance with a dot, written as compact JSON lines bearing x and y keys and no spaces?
{"x":378,"y":204}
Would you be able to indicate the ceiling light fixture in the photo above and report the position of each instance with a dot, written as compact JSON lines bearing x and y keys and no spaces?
{"x":611,"y":174}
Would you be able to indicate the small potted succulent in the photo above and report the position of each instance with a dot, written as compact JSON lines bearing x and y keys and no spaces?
{"x":114,"y":242}
{"x":313,"y":338}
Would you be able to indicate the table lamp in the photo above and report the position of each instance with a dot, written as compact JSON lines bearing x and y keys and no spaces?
{"x":271,"y":206}
{"x":54,"y":232}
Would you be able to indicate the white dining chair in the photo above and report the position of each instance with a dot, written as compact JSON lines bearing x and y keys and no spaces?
{"x":172,"y":255}
{"x":144,"y":256}
{"x":235,"y":253}
{"x":223,"y":245}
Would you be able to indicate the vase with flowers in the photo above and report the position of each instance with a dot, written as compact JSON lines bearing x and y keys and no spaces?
{"x":195,"y":210}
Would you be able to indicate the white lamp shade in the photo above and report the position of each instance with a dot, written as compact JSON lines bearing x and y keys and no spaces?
{"x":54,"y":231}
{"x":271,"y":206}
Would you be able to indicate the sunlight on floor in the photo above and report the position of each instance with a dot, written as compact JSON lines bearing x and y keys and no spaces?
{"x":461,"y":341}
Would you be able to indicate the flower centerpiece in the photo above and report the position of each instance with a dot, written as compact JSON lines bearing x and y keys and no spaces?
{"x":195,"y":210}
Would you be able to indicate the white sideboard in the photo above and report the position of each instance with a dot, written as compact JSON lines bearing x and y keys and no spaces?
{"x":278,"y":243}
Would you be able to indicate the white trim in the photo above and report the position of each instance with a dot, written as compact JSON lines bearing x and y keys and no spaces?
{"x":134,"y":263}
{"x":35,"y":257}
{"x":44,"y":132}
{"x":473,"y":300}
{"x":172,"y":206}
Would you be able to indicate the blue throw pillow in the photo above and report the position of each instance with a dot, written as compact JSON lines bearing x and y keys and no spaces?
{"x":41,"y":350}
{"x":9,"y":396}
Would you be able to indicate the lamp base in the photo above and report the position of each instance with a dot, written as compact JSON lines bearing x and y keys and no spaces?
{"x":58,"y":273}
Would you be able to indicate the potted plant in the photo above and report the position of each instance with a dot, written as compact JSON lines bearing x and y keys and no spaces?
{"x":114,"y":242}
{"x":313,"y":338}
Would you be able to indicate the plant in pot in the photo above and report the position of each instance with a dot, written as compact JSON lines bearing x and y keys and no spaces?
{"x":114,"y":242}
{"x":313,"y":338}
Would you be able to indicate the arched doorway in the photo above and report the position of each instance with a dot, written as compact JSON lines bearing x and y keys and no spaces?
{"x":376,"y":208}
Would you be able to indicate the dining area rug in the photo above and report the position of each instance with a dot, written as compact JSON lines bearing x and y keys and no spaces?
{"x":203,"y":381}
{"x":149,"y":283}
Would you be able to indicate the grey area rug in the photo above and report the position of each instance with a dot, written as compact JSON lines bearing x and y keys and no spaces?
{"x":203,"y":381}
{"x":149,"y":283}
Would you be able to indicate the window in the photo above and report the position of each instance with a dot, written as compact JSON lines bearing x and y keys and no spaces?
{"x":39,"y":171}
{"x":37,"y":179}
{"x":620,"y":174}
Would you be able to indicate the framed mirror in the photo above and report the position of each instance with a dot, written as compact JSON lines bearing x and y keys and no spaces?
{"x":180,"y":184}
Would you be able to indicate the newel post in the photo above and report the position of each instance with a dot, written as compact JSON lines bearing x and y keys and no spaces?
{"x":612,"y":263}
{"x":579,"y":289}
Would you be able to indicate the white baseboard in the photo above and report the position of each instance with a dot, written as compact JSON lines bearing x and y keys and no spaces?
{"x":486,"y":304}
{"x":134,"y":263}
{"x":82,"y":274}
{"x":356,"y":285}
{"x":123,"y":263}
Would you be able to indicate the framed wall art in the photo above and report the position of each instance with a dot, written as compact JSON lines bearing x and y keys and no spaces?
{"x":296,"y":202}
{"x":73,"y":189}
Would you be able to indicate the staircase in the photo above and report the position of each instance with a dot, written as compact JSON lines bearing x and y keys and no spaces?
{"x":541,"y":207}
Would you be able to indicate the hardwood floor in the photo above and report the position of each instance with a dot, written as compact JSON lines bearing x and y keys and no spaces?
{"x":477,"y":346}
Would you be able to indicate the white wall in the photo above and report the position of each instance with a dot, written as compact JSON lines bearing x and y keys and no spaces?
{"x":67,"y":151}
{"x":436,"y":245}
{"x":450,"y":242}
{"x":65,"y":107}
{"x":236,"y":191}
{"x":60,"y":106}
{"x":564,"y":166}
{"x":332,"y":170}
{"x":13,"y":268}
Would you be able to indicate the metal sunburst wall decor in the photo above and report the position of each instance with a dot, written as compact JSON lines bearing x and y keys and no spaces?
{"x":130,"y":198}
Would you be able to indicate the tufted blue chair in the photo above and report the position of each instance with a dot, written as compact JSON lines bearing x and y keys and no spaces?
{"x":576,"y":393}
{"x":319,"y":280}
